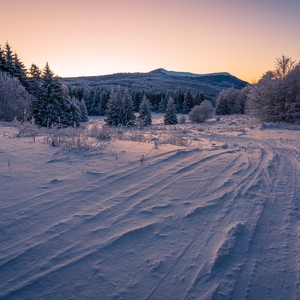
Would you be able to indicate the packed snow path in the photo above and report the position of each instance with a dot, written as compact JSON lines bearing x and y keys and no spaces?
{"x":221,"y":223}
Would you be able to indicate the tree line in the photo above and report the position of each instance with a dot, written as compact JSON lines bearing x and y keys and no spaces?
{"x":96,"y":99}
{"x":41,"y":95}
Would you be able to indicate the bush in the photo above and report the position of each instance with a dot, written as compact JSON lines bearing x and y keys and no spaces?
{"x":202,"y":112}
{"x":14,"y":99}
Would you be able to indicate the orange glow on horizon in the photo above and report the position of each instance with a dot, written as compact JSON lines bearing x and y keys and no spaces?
{"x":102,"y":37}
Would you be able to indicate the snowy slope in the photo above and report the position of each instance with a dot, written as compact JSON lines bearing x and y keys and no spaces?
{"x":216,"y":220}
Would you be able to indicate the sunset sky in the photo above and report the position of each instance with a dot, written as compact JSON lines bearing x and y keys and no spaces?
{"x":95,"y":37}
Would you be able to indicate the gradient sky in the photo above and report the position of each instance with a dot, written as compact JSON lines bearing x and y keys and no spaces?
{"x":90,"y":37}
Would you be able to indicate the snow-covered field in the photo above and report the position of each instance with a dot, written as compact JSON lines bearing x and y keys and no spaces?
{"x":214,"y":218}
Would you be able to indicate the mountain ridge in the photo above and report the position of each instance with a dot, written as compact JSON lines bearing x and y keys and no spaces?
{"x":161,"y":80}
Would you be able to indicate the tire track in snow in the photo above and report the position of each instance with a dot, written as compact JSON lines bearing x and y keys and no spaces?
{"x":79,"y":226}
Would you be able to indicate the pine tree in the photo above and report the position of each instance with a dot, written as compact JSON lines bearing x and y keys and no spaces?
{"x":114,"y":110}
{"x":222,"y":106}
{"x":198,"y":98}
{"x":179,"y":99}
{"x":53,"y":106}
{"x":34,"y":80}
{"x":20,"y":70}
{"x":8,"y":56}
{"x":83,"y":111}
{"x":2,"y":60}
{"x":144,"y":112}
{"x":163,"y":103}
{"x":188,"y":102}
{"x":128,"y":116}
{"x":170,"y":117}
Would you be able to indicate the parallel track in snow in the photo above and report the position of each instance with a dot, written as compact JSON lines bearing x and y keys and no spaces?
{"x":210,"y":224}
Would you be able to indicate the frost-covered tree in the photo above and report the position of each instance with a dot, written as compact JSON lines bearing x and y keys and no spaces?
{"x":114,"y":112}
{"x":170,"y":117}
{"x":2,"y":60}
{"x":145,"y":112}
{"x":188,"y":102}
{"x":8,"y":58}
{"x":34,"y":80}
{"x":19,"y":70}
{"x":283,"y":66}
{"x":222,"y":107}
{"x":127,"y":104}
{"x":231,"y":101}
{"x":198,"y":98}
{"x":262,"y":99}
{"x":292,"y":96}
{"x":202,"y":112}
{"x":14,"y":99}
{"x":52,"y":105}
{"x":163,"y":103}
{"x":120,"y":109}
{"x":179,"y":99}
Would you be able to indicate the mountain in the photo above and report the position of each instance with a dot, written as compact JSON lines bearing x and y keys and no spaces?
{"x":161,"y":80}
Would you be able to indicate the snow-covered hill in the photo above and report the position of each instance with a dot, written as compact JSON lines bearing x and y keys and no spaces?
{"x":161,"y":80}
{"x":218,"y":219}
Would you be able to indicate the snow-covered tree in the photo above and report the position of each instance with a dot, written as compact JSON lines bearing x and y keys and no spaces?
{"x":52,"y":105}
{"x":170,"y":117}
{"x":265,"y":98}
{"x":202,"y":112}
{"x":19,"y":70}
{"x":283,"y":66}
{"x":292,"y":103}
{"x":2,"y":59}
{"x":114,"y":112}
{"x":145,"y":112}
{"x":127,"y":104}
{"x":8,"y":58}
{"x":188,"y":102}
{"x":14,"y":99}
{"x":231,"y":101}
{"x":120,"y":109}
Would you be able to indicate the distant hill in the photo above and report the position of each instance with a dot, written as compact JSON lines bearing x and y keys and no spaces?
{"x":161,"y":80}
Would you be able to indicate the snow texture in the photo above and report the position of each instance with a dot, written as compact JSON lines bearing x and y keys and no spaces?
{"x":216,"y":220}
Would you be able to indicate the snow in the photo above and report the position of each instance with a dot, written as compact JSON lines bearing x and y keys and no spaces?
{"x":188,"y":74}
{"x":215,"y":219}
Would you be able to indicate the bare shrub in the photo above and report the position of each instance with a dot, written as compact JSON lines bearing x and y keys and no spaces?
{"x":14,"y":99}
{"x":174,"y":139}
{"x":182,"y":119}
{"x":77,"y":138}
{"x":54,"y":136}
{"x":102,"y":132}
{"x":136,"y":136}
{"x":200,"y":113}
{"x":27,"y":129}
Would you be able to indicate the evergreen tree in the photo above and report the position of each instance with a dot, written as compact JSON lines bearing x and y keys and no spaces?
{"x":114,"y":112}
{"x":170,"y":117}
{"x":144,"y":112}
{"x":179,"y":99}
{"x":2,"y":60}
{"x":20,"y":70}
{"x":222,"y":106}
{"x":198,"y":98}
{"x":53,"y":106}
{"x":34,"y":80}
{"x":163,"y":104}
{"x":128,"y":115}
{"x":188,"y":102}
{"x":8,"y":58}
{"x":83,"y":110}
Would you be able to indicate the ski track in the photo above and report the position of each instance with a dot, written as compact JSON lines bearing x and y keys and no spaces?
{"x":135,"y":231}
